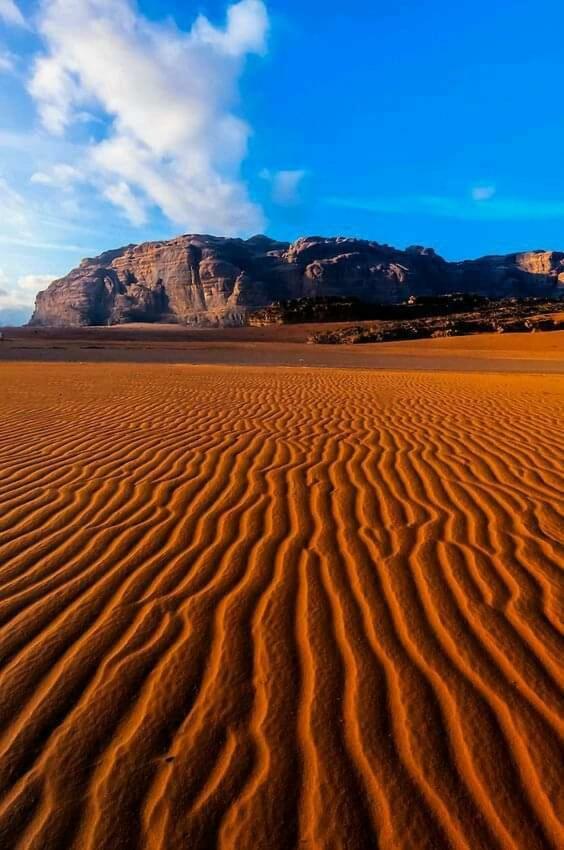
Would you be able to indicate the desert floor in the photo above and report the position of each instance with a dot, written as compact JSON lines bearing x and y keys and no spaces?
{"x":282,"y":607}
{"x":282,"y":346}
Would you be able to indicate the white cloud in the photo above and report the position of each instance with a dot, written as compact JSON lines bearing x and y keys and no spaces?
{"x":247,"y":24}
{"x":61,"y":176}
{"x":10,"y":13}
{"x":483,"y":193}
{"x":173,"y":140}
{"x":285,"y":184}
{"x":17,"y":298}
{"x":33,"y":283}
{"x":121,"y":195}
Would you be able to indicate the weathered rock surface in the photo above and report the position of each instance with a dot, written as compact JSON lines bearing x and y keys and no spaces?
{"x":217,"y":281}
{"x":531,"y":273}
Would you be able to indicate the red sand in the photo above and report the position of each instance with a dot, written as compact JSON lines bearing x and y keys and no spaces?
{"x":274,"y":608}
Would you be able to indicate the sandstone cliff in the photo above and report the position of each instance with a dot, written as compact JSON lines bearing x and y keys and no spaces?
{"x":216,"y":281}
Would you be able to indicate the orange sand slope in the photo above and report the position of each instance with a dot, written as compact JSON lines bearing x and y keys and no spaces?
{"x":272,"y":609}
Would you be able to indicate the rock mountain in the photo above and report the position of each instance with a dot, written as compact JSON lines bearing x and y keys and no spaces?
{"x":210,"y":280}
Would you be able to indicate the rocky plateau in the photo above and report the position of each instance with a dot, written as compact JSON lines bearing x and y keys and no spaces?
{"x":215,"y":281}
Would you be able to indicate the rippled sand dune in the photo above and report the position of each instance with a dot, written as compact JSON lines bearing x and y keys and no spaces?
{"x":268,"y":609}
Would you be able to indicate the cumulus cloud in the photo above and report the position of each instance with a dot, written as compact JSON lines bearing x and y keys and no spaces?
{"x":11,"y":14}
{"x":168,"y":100}
{"x":285,"y":184}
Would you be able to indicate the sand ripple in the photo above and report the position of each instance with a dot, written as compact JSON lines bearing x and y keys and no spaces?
{"x":263,"y":610}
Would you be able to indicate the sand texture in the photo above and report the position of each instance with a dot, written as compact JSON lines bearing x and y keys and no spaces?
{"x":280,"y":609}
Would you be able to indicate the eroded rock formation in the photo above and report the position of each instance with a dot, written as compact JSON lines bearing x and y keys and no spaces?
{"x":217,"y":281}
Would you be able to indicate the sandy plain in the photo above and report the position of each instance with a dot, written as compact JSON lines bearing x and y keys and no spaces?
{"x":271,"y":607}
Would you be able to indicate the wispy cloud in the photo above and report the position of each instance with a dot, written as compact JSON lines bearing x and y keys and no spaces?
{"x":7,"y":62}
{"x":22,"y":219}
{"x":10,"y":13}
{"x":39,"y":246}
{"x":482,"y":193}
{"x":121,"y":195}
{"x":285,"y":184}
{"x":491,"y":208}
{"x":13,"y":205}
{"x":61,"y":175}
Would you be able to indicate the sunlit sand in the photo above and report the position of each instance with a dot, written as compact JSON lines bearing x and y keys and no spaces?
{"x":268,"y":608}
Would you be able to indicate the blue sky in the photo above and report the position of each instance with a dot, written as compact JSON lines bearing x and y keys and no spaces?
{"x":435,"y":123}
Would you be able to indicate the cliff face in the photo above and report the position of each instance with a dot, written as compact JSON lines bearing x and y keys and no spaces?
{"x":215,"y":281}
{"x":527,"y":274}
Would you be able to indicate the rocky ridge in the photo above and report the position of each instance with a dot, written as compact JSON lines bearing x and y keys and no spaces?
{"x":216,"y":281}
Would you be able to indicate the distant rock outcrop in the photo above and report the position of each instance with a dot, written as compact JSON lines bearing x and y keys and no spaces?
{"x":456,"y":316}
{"x":531,"y":273}
{"x":208,"y":280}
